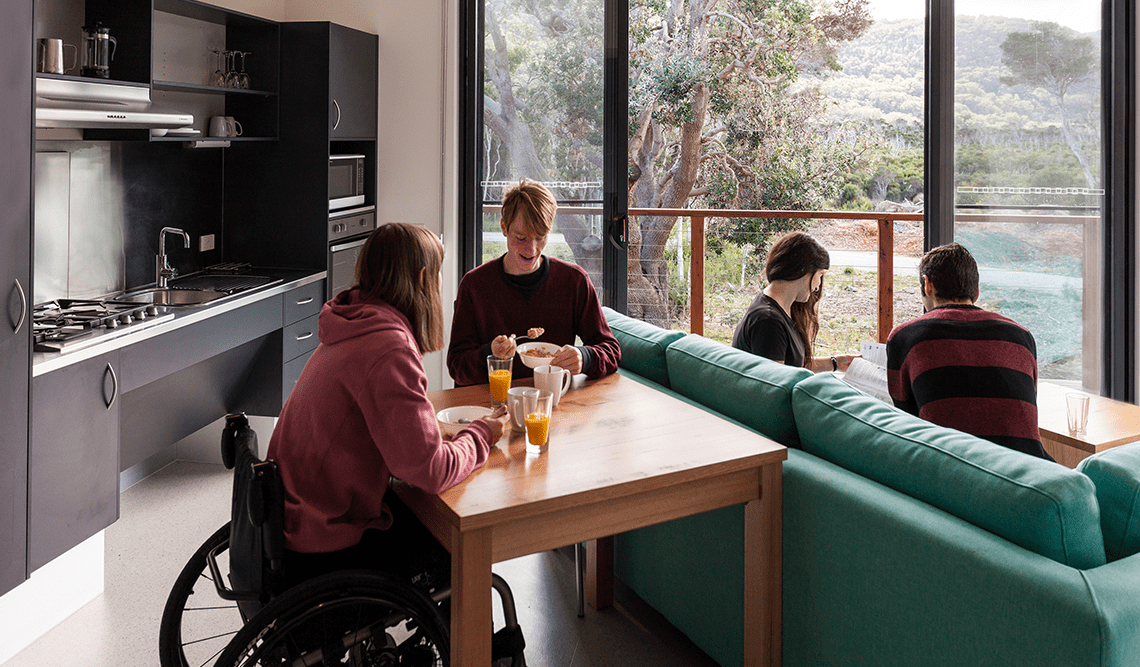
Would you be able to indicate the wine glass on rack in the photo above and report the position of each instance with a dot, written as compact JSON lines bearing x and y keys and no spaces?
{"x":242,"y":80}
{"x":218,"y":78}
{"x":231,"y":73}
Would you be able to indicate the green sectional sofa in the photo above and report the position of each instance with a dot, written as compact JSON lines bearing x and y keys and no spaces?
{"x":905,"y":543}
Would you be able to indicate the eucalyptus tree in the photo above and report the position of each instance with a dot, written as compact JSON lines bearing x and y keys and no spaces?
{"x":1054,"y":58}
{"x":714,"y":120}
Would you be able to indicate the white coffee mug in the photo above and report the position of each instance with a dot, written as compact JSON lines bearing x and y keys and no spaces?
{"x":219,"y":127}
{"x":553,"y":379}
{"x":516,"y":406}
{"x":233,"y":128}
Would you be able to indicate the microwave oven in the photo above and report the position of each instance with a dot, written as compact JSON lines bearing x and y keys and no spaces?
{"x":346,"y":181}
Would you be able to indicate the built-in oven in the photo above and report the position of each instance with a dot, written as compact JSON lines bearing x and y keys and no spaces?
{"x":348,"y":230}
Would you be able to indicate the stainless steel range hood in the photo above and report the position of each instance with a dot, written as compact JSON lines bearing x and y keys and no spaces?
{"x":70,"y":103}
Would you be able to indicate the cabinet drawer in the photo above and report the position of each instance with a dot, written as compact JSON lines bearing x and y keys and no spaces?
{"x":299,"y":338}
{"x":290,"y":373}
{"x":303,"y":302}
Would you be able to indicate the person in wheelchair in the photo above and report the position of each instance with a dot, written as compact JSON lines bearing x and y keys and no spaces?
{"x":359,"y":413}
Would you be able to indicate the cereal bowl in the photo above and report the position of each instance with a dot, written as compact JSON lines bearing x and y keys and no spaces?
{"x":455,"y":419}
{"x":537,"y":354}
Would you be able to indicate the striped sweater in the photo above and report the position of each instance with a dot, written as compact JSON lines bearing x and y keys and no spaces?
{"x":966,"y":368}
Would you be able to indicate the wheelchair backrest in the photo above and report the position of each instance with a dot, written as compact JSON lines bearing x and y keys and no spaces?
{"x":257,"y":524}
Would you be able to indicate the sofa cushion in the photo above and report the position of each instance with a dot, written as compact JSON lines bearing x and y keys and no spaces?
{"x":642,"y":345}
{"x":1116,"y":474}
{"x":1037,"y":504}
{"x":752,"y":390}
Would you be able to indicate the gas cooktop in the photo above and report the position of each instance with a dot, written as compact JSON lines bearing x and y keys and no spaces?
{"x":64,"y":325}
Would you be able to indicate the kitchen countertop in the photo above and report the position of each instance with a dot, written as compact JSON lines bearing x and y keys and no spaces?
{"x":44,"y":362}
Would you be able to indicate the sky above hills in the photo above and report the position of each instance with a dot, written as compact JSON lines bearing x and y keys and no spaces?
{"x":1081,"y":15}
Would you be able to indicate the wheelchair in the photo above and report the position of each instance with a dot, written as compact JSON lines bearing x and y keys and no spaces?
{"x":361,"y":618}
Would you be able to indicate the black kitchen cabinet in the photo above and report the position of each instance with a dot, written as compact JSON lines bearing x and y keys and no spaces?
{"x":16,"y":65}
{"x":353,"y":70}
{"x":73,"y":472}
{"x":280,"y":192}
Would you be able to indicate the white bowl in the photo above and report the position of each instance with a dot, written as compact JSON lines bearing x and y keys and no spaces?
{"x":526,"y":353}
{"x":453,"y":420}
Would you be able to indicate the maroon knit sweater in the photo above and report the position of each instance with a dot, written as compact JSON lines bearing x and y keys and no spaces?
{"x":565,"y":305}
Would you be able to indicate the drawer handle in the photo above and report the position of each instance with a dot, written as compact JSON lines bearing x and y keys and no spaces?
{"x":308,"y":300}
{"x":114,"y":385}
{"x":337,"y":123}
{"x":305,"y":335}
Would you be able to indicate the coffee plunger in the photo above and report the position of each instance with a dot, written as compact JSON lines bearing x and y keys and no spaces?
{"x":98,"y":50}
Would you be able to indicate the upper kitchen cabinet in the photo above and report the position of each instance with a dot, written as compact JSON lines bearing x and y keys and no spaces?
{"x":193,"y":58}
{"x":211,"y":62}
{"x":16,"y":57}
{"x":339,"y":64}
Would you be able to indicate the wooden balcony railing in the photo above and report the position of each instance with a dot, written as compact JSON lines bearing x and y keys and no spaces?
{"x":886,"y":290}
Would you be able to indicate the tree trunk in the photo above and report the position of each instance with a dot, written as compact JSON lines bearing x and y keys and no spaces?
{"x":1075,"y":144}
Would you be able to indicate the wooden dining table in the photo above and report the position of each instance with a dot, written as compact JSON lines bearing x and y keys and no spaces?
{"x":622,"y":455}
{"x":1111,"y":423}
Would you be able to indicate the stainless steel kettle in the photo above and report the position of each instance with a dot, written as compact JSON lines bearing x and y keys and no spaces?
{"x":98,"y":50}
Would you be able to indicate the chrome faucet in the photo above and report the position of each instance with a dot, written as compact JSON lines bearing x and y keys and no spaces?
{"x":163,"y":272}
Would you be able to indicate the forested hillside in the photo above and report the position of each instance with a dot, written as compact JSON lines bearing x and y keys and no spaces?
{"x":883,"y":75}
{"x":880,"y":92}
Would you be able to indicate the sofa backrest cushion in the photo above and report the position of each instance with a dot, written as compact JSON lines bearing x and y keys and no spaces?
{"x":752,"y":390}
{"x":642,"y":345}
{"x":1116,"y":474}
{"x":1039,"y":505}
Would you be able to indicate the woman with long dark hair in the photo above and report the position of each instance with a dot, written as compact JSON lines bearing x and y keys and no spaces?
{"x":782,"y":322}
{"x":360,"y":413}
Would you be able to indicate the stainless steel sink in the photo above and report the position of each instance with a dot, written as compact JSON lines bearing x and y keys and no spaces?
{"x":197,"y":289}
{"x":167,"y":296}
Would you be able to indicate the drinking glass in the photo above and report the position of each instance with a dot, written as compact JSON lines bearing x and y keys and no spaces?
{"x":499,"y":377}
{"x":231,"y":75}
{"x":242,"y":79}
{"x":218,"y":78}
{"x":1077,"y":407}
{"x":538,"y":421}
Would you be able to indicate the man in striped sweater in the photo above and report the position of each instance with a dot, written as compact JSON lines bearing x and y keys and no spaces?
{"x":963,"y":367}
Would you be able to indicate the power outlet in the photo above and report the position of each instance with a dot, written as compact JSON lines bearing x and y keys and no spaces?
{"x":205,"y":242}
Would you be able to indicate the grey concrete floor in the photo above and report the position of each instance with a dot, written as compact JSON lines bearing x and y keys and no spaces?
{"x":166,"y":516}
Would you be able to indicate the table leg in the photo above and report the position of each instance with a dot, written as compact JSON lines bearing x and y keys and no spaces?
{"x":600,"y":572}
{"x":471,"y":619}
{"x":763,"y":571}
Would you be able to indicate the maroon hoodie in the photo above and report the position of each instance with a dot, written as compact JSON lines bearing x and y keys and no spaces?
{"x":358,"y":413}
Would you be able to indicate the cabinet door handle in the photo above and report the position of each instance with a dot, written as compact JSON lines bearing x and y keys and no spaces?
{"x":23,"y":306}
{"x":114,"y":386}
{"x":303,"y":336}
{"x":337,"y":123}
{"x":308,"y":300}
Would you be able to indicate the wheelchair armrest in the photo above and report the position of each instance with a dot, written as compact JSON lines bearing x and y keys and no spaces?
{"x":219,"y":581}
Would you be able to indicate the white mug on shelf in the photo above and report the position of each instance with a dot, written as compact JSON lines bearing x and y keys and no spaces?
{"x":554,"y":379}
{"x":218,"y":126}
{"x":233,"y":127}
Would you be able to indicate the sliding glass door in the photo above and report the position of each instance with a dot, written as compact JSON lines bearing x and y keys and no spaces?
{"x":547,"y":103}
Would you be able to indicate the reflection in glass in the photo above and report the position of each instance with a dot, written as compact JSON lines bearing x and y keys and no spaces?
{"x":1029,"y":192}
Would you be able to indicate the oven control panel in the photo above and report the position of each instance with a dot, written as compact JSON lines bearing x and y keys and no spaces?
{"x":353,"y":222}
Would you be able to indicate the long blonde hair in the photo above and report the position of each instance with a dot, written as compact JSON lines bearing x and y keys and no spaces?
{"x":400,"y":265}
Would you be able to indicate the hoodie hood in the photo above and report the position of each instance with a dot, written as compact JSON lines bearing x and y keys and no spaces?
{"x":349,"y":316}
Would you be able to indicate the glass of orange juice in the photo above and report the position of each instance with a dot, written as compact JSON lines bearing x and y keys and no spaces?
{"x":538,"y":408}
{"x":499,"y":375}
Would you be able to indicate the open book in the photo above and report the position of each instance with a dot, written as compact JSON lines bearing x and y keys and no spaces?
{"x":868,"y":373}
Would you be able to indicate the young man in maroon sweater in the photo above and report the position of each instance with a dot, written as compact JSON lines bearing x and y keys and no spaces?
{"x":525,"y":289}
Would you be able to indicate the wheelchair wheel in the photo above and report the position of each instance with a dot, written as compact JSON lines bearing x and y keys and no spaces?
{"x":196,"y":623}
{"x":357,"y":618}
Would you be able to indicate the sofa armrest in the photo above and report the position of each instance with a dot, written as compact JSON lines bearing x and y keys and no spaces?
{"x":1115,"y":587}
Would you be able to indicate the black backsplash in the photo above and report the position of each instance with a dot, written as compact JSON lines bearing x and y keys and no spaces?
{"x":167,"y":185}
